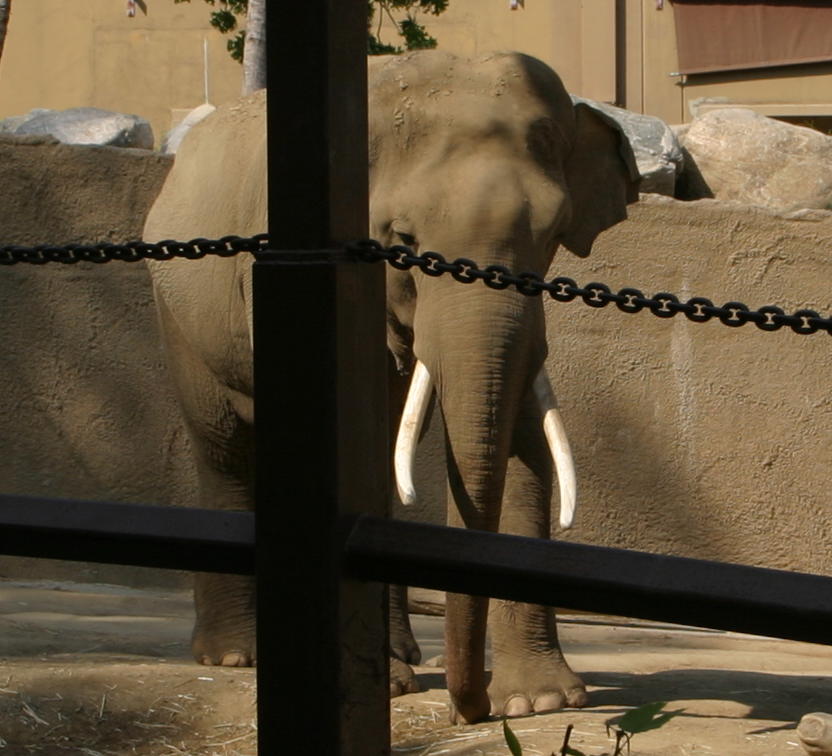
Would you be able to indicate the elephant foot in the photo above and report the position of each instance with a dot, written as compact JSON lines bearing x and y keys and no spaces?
{"x":404,"y":648}
{"x":402,"y":678}
{"x":518,"y":690}
{"x":472,"y":707}
{"x":215,"y":650}
{"x":403,"y":645}
{"x":229,"y":659}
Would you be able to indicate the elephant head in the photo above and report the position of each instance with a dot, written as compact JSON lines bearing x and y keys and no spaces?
{"x":487,"y":160}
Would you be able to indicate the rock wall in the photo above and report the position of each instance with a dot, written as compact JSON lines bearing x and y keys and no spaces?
{"x":85,"y":411}
{"x":695,"y":439}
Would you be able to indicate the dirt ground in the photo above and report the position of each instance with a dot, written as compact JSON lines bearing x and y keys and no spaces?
{"x":103,"y":670}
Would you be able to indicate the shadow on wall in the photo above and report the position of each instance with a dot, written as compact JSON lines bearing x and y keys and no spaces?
{"x":87,"y":410}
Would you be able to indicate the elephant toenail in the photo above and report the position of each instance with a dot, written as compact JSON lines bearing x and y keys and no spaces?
{"x":233,"y":659}
{"x":577,"y":698}
{"x":549,"y":702}
{"x":517,"y":706}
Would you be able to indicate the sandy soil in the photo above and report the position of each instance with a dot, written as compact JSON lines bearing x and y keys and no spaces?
{"x":91,"y":669}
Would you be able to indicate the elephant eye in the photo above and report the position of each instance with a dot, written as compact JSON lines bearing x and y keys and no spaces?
{"x":407,"y":239}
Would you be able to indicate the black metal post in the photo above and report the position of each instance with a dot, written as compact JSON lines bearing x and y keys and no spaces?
{"x":320,"y":394}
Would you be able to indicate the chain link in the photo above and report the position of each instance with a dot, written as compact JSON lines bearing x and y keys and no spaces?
{"x":132,"y":251}
{"x":563,"y":289}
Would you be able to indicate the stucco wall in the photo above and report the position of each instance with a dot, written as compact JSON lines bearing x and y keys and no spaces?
{"x":697,"y":439}
{"x":85,"y":409}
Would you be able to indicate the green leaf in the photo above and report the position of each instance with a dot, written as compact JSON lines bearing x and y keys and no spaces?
{"x":511,"y":740}
{"x":237,"y":45}
{"x":224,"y":21}
{"x":647,"y":717}
{"x":375,"y":47}
{"x":414,"y":35}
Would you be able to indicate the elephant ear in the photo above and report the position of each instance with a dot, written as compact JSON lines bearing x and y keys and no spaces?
{"x":602,"y":177}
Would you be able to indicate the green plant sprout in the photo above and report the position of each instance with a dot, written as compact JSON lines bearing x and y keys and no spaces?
{"x":650,"y":716}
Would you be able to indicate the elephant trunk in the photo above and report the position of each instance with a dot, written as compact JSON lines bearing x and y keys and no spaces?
{"x":413,"y":416}
{"x":482,"y":349}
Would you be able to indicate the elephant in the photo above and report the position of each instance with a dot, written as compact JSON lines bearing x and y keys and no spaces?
{"x":486,"y":159}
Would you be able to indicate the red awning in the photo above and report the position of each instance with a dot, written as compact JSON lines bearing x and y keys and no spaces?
{"x":724,"y":35}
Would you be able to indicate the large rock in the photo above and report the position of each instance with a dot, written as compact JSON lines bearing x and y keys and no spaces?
{"x":656,"y":149}
{"x":747,"y":157}
{"x":84,"y":126}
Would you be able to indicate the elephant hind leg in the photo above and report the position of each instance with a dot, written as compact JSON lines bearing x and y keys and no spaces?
{"x":403,"y":645}
{"x":530,"y":673}
{"x":404,"y":650}
{"x":221,"y":430}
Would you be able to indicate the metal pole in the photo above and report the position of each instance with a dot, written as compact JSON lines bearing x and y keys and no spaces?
{"x":320,"y":394}
{"x":758,"y":600}
{"x":150,"y":536}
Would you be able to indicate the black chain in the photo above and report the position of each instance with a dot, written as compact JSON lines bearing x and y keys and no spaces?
{"x":562,"y":289}
{"x":132,"y":251}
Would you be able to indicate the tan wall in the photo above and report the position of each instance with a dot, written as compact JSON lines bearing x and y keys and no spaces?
{"x":67,"y":54}
{"x":575,"y":38}
{"x":86,"y":410}
{"x":60,"y":54}
{"x":790,"y":90}
{"x":578,"y":39}
{"x":697,"y":439}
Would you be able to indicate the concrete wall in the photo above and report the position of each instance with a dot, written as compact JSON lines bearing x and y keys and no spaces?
{"x":66,"y":54}
{"x":576,"y":38}
{"x":690,"y":439}
{"x":651,"y":60}
{"x":696,"y":439}
{"x":62,"y":54}
{"x":86,"y":410}
{"x":624,"y":51}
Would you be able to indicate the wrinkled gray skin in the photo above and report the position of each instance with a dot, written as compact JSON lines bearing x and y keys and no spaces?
{"x":483,"y":159}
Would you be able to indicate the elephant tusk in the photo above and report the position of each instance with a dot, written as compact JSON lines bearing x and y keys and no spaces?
{"x":413,"y":417}
{"x":555,"y":433}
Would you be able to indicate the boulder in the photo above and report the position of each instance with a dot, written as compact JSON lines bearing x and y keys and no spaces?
{"x":656,"y":149}
{"x":172,"y":140}
{"x":737,"y":154}
{"x":12,"y":123}
{"x":84,"y":126}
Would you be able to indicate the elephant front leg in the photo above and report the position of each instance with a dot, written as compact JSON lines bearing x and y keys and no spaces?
{"x":530,"y":673}
{"x":224,"y":633}
{"x":465,"y":621}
